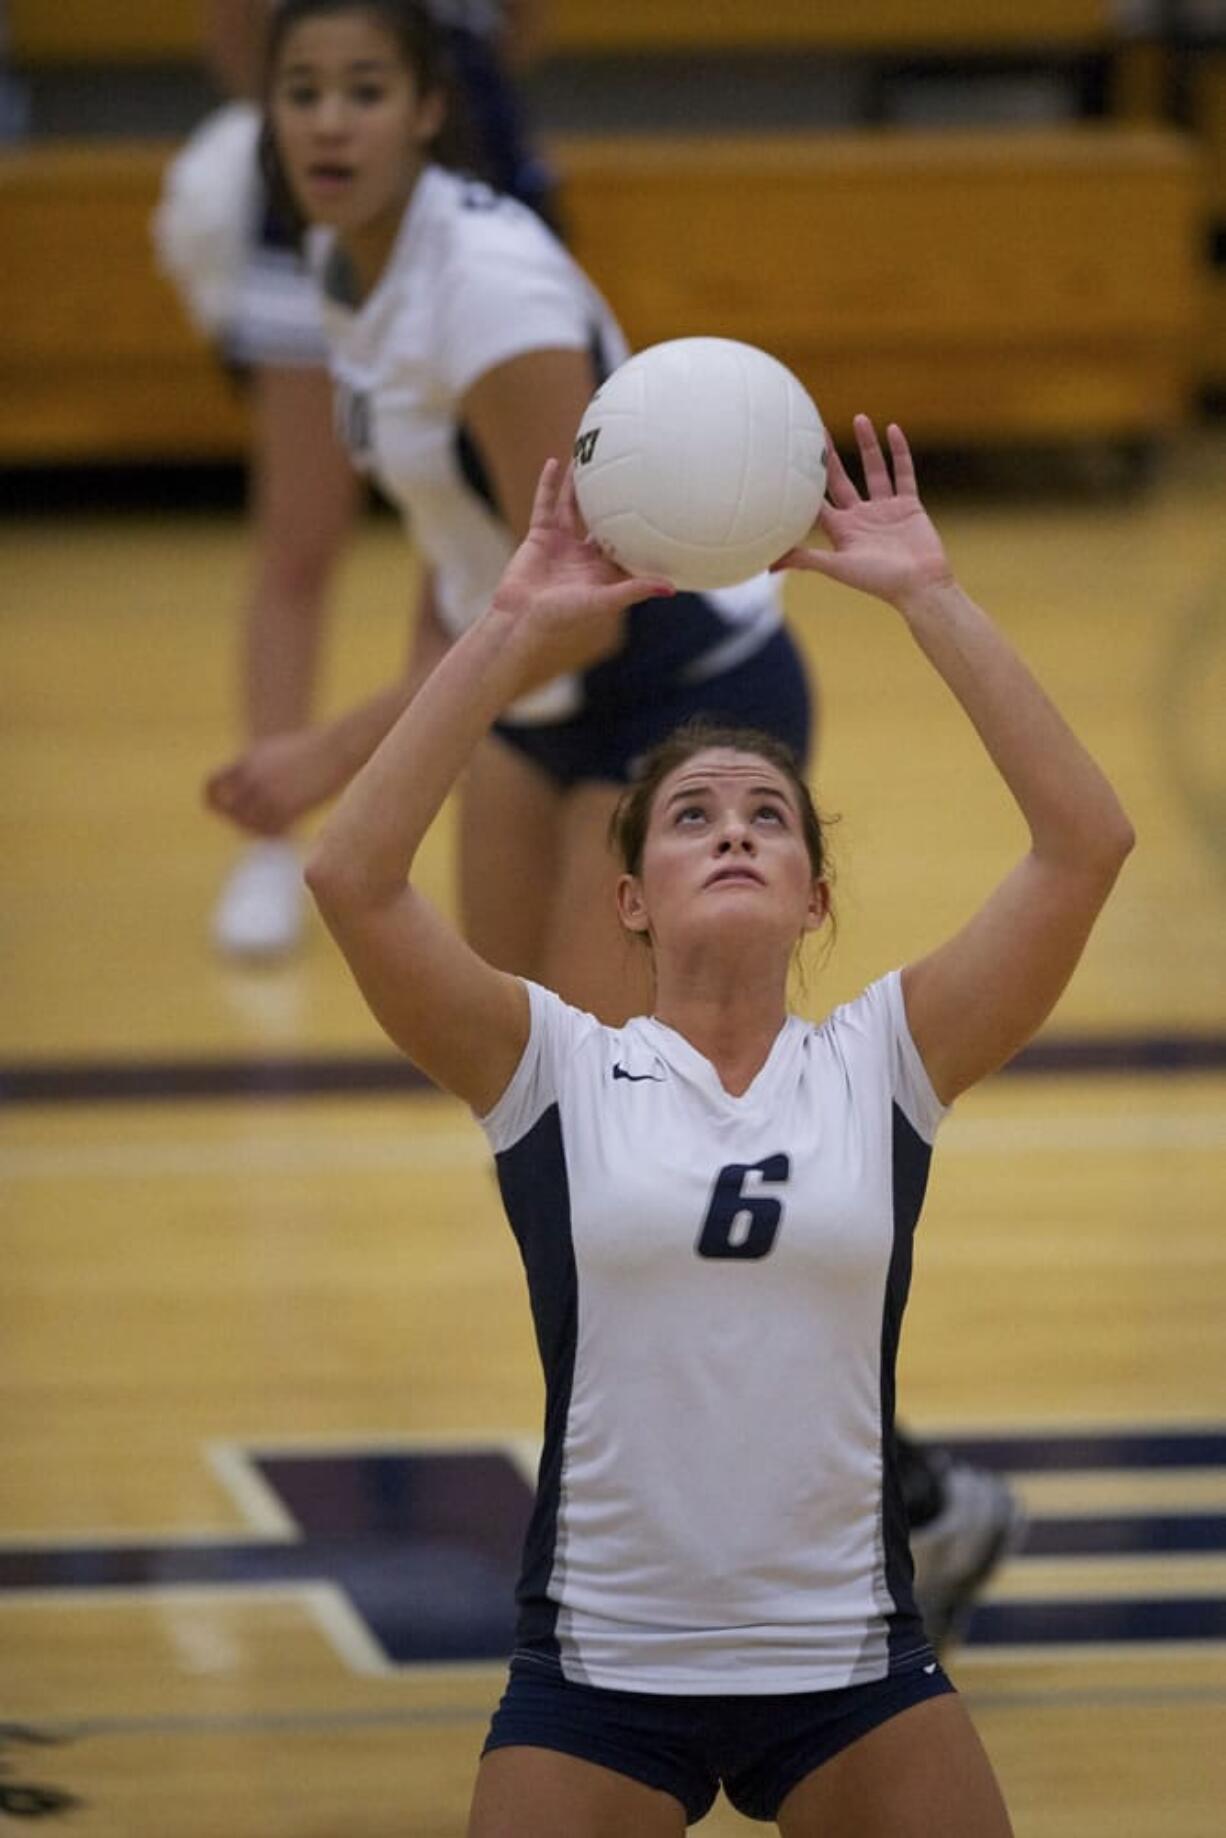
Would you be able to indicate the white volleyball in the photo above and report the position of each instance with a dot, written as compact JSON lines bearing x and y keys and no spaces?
{"x":702,"y":460}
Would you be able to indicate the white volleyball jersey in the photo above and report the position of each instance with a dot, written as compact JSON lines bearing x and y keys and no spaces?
{"x":475,"y":279}
{"x":717,"y":1285}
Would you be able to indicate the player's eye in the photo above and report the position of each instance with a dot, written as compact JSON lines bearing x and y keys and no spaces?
{"x":368,"y":94}
{"x":300,"y":95}
{"x":689,"y":813}
{"x":772,"y":812}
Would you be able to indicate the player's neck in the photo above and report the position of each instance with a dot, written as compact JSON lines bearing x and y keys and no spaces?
{"x":367,"y":248}
{"x":733,"y":1019}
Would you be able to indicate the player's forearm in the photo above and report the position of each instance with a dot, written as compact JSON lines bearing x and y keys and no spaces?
{"x":1069,"y":805}
{"x":352,"y":738}
{"x":367,"y":847}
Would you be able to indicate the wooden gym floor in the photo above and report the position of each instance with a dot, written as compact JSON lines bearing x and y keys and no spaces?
{"x":267,"y":1389}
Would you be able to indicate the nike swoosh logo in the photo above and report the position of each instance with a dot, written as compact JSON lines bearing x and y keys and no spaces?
{"x":930,"y":1670}
{"x":637,"y":1078}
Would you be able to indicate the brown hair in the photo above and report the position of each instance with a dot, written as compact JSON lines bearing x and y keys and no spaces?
{"x":629,"y":822}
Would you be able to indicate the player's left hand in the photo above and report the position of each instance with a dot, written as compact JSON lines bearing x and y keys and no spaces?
{"x":885,"y":544}
{"x":562,"y":589}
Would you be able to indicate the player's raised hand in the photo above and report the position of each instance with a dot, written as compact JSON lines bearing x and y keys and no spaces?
{"x":559,"y":572}
{"x":565,"y":595}
{"x":884,"y":542}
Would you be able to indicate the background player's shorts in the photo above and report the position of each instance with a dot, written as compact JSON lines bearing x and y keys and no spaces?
{"x":767,"y":690}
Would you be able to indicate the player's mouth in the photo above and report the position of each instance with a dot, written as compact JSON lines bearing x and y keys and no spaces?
{"x":328,"y":178}
{"x":739,"y":875}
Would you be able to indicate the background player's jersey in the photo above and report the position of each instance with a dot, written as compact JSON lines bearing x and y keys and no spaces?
{"x":717,"y":1285}
{"x":474,"y":280}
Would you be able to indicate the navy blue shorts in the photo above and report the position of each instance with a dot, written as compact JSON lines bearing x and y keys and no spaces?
{"x":769,"y":690}
{"x":756,"y":1748}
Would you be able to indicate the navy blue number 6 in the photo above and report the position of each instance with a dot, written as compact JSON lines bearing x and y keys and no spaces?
{"x":740,"y":1224}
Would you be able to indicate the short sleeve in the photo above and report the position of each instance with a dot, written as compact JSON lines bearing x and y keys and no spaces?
{"x":556,"y":1030}
{"x":515,"y":295}
{"x":873,"y":1040}
{"x":912,"y":1088}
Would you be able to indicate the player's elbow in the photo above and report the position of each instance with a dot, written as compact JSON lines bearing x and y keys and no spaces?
{"x":350,"y":885}
{"x":1115,"y":841}
{"x":1101,"y":856}
{"x":1087,"y":861}
{"x":332,"y":879}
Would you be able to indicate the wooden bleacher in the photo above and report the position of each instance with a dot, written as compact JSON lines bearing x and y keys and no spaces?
{"x":983,"y":287}
{"x":906,"y":26}
{"x":45,"y":32}
{"x":96,"y":359}
{"x":992,"y":286}
{"x":81,"y":31}
{"x":986,"y":286}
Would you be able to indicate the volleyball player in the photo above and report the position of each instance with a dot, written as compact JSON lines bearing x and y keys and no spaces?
{"x":715,"y":1206}
{"x":239,"y":265}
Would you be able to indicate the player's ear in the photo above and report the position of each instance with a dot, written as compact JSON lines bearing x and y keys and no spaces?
{"x":430,"y":117}
{"x":818,"y":910}
{"x":630,"y":907}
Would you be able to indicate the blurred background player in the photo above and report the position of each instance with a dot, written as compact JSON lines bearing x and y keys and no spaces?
{"x":465,"y":345}
{"x":238,"y":264}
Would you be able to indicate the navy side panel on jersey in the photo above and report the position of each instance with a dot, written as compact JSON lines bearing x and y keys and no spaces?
{"x":912,"y":1157}
{"x":536,"y":1193}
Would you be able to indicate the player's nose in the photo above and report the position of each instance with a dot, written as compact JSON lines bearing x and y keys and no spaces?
{"x":331,"y":116}
{"x":735,"y":833}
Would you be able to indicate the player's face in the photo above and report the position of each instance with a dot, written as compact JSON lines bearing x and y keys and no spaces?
{"x":351,"y":125}
{"x":725,"y":844}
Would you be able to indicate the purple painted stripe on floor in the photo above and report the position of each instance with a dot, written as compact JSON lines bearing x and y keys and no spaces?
{"x":94,"y":1081}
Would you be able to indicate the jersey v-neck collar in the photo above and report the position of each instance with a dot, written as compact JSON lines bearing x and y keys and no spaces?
{"x":675,"y":1048}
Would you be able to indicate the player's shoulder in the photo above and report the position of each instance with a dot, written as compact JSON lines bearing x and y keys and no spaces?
{"x":870,"y":1038}
{"x":562,"y":1055}
{"x":571,"y":1037}
{"x":866,"y":1023}
{"x":472,"y":222}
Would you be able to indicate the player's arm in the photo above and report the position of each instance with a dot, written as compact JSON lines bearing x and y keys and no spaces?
{"x":978,"y":998}
{"x":278,"y":779}
{"x":520,"y":414}
{"x":975,"y":1000}
{"x":463,"y":1022}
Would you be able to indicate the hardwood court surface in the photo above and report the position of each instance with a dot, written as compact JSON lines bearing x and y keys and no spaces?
{"x":237,"y":1330}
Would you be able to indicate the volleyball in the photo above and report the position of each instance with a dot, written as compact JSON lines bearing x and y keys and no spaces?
{"x":702,"y":460}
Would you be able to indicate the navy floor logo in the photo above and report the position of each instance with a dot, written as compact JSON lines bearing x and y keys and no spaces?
{"x":421,"y":1545}
{"x":21,"y":1797}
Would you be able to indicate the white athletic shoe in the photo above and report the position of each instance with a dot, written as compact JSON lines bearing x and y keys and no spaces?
{"x":980,"y":1522}
{"x":262,"y":907}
